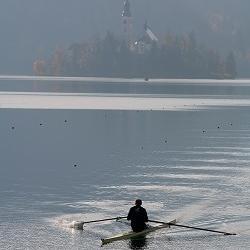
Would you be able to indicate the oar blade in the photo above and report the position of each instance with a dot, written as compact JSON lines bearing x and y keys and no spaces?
{"x":230,"y":234}
{"x":77,"y":225}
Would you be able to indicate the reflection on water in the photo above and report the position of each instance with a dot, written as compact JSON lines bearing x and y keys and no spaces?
{"x":148,"y":102}
{"x":139,"y":243}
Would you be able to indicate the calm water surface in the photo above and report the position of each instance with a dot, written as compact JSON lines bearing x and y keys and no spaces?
{"x":184,"y":149}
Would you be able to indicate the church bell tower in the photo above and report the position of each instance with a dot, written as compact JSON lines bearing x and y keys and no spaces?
{"x":127,"y":23}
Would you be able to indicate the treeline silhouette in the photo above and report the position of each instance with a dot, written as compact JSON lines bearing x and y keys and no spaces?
{"x":176,"y":56}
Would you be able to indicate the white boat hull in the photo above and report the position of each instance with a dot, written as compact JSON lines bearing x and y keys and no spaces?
{"x":131,"y":234}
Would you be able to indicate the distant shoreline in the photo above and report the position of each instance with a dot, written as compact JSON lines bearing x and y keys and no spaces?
{"x":127,"y":80}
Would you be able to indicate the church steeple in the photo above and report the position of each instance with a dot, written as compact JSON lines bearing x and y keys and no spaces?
{"x":126,"y":9}
{"x":127,"y":21}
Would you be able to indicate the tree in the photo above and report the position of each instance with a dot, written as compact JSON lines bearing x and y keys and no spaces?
{"x":230,"y":66}
{"x":57,"y":62}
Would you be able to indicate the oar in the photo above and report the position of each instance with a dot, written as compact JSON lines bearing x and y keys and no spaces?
{"x":197,"y":228}
{"x":114,"y":218}
{"x":79,"y":224}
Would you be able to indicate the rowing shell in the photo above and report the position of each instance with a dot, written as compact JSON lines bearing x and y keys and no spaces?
{"x":131,"y":234}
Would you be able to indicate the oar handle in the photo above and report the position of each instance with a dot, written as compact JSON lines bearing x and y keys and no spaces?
{"x":197,"y":228}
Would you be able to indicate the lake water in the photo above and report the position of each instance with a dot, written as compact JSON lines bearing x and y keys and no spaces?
{"x":86,"y":149}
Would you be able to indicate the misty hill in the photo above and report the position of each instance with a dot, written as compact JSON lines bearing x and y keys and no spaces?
{"x":33,"y":29}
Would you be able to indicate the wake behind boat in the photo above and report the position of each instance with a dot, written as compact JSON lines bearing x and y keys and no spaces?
{"x":133,"y":235}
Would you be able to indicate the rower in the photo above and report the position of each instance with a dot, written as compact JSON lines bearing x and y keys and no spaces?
{"x":138,"y":216}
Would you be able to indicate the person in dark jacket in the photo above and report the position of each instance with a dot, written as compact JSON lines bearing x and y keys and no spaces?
{"x":138,"y":217}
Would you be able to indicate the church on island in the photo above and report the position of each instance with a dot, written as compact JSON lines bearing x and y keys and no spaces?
{"x":133,"y":56}
{"x":145,"y":42}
